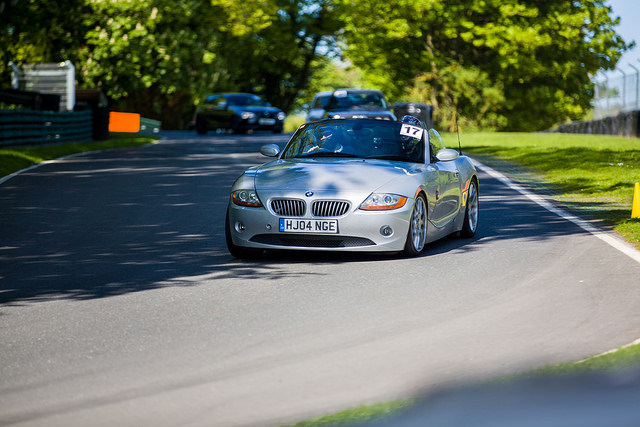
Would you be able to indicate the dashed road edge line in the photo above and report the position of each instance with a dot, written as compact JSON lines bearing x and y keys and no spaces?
{"x":607,"y":237}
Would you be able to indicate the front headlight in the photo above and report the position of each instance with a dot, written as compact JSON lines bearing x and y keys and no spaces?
{"x":383,"y":202}
{"x":246,"y":115}
{"x":281,"y":116}
{"x":246,"y":198}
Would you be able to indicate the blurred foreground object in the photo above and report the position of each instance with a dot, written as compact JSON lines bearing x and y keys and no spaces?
{"x":588,"y":400}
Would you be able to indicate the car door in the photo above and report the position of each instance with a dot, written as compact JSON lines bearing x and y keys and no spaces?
{"x":448,"y":194}
{"x":207,"y":109}
{"x":222,"y":112}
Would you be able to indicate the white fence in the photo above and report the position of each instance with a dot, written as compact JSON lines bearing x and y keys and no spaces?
{"x":619,"y":94}
{"x":53,"y":78}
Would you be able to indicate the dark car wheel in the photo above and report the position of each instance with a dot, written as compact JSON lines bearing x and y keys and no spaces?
{"x":201,"y":125}
{"x":470,"y":224}
{"x":417,"y":235}
{"x":238,"y":251}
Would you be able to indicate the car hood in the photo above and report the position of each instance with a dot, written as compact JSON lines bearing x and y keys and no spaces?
{"x":329,"y":176}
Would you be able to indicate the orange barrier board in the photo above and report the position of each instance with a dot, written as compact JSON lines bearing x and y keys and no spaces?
{"x":124,"y":122}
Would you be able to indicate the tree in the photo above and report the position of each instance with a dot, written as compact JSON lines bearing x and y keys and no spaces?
{"x":508,"y":64}
{"x":157,"y":57}
{"x":150,"y":56}
{"x":504,"y":64}
{"x":39,"y":31}
{"x":269,"y":47}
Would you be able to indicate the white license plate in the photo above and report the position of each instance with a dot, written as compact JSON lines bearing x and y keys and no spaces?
{"x":267,"y":121}
{"x":329,"y":226}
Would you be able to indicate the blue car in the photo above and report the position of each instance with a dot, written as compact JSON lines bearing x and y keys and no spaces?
{"x":238,"y":112}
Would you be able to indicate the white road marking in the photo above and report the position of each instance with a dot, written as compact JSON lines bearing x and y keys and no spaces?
{"x":609,"y":238}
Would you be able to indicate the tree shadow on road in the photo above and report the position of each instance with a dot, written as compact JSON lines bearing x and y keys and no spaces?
{"x":103,"y":236}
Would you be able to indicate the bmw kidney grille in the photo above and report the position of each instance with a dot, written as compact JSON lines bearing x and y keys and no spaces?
{"x":324,"y":208}
{"x":319,"y":208}
{"x":288,"y":207}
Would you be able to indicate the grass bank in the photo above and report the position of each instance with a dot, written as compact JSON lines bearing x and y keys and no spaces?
{"x":621,"y":359}
{"x":13,"y":159}
{"x":591,"y":174}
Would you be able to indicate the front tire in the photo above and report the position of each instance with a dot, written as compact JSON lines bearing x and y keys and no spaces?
{"x":417,"y":235}
{"x":470,"y":224}
{"x":238,"y":251}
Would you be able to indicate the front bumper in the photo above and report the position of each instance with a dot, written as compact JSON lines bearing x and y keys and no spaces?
{"x":358,"y":231}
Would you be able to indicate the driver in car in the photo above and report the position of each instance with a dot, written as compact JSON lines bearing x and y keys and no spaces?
{"x":411,"y":146}
{"x":326,"y":141}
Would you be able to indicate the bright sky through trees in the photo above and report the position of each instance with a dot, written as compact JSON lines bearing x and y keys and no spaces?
{"x":629,"y":13}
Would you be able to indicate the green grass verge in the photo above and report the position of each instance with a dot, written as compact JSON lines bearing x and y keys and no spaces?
{"x":356,"y":415}
{"x":591,"y":174}
{"x":13,"y":159}
{"x":622,"y":358}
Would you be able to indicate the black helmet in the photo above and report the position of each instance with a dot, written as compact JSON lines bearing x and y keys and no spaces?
{"x":412,"y":121}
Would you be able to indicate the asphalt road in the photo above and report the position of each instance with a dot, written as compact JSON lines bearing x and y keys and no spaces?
{"x":119,"y":304}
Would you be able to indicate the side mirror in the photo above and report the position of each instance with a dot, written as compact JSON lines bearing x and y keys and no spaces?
{"x":447,"y":155}
{"x":270,"y":150}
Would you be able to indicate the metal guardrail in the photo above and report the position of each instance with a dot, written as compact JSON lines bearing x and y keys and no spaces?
{"x":149,"y":125}
{"x":622,"y":124}
{"x":44,"y":127}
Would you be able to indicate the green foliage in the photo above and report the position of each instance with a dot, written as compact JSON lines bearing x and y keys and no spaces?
{"x":39,"y":31}
{"x":330,"y":75}
{"x":507,"y":64}
{"x":502,"y":64}
{"x":150,"y":56}
{"x":357,"y":415}
{"x":269,"y":46}
{"x":158,"y":57}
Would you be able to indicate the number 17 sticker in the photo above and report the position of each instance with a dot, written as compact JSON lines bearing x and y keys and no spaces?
{"x":412,"y":131}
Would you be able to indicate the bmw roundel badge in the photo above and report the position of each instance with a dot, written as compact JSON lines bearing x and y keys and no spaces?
{"x":309,"y":193}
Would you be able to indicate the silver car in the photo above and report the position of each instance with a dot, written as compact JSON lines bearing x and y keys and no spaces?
{"x":353,"y":185}
{"x":350,"y":104}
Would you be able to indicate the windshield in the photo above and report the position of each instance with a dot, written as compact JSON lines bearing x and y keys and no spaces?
{"x":246,"y":100}
{"x":356,"y":100}
{"x":367,"y":139}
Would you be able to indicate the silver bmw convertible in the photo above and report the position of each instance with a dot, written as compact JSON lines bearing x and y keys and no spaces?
{"x":354,"y":185}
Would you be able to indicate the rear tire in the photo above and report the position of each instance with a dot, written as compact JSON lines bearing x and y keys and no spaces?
{"x":238,"y":251}
{"x":417,"y":235}
{"x":470,"y":224}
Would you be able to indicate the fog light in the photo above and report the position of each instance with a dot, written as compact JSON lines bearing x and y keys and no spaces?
{"x":268,"y":226}
{"x":240,"y":227}
{"x":386,"y":231}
